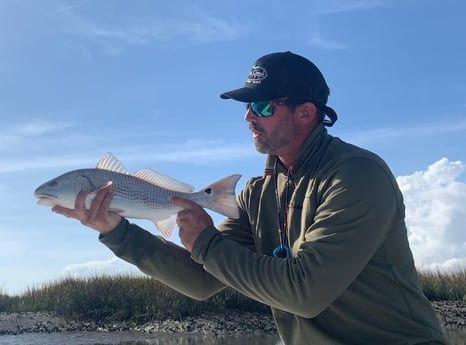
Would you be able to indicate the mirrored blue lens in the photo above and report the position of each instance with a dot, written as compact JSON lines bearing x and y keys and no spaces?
{"x":262,"y":109}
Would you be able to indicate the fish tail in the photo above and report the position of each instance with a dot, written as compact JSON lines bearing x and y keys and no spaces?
{"x":222,"y":198}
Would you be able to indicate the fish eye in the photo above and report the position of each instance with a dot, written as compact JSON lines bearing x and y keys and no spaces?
{"x":208,"y":191}
{"x":53,"y":183}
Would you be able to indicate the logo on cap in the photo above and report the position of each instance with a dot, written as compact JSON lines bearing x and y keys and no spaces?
{"x":256,"y":75}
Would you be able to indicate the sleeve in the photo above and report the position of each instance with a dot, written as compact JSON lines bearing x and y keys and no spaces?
{"x":161,"y":259}
{"x":356,"y":210}
{"x":170,"y":263}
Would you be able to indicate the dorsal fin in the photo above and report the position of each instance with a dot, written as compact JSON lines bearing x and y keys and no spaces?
{"x":110,"y":162}
{"x":163,"y":181}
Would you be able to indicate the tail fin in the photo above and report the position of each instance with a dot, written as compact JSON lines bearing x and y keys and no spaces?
{"x":222,"y":196}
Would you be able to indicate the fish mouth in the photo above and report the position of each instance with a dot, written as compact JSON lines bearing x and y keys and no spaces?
{"x":45,"y":199}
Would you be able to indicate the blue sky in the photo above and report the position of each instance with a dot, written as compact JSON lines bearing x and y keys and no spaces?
{"x":142,"y":79}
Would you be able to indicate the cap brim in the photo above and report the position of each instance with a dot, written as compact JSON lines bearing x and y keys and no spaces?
{"x":248,"y":94}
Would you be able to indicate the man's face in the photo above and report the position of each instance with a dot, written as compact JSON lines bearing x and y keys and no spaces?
{"x":272,"y":134}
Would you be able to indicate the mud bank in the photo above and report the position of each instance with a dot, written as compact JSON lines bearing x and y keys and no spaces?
{"x":452,"y":315}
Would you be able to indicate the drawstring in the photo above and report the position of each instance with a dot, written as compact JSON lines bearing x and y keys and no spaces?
{"x":283,"y":249}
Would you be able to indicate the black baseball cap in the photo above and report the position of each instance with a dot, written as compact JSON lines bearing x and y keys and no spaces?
{"x":285,"y":74}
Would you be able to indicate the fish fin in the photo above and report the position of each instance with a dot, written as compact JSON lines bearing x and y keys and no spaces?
{"x":93,"y":193}
{"x":109,"y":183}
{"x":110,"y":162}
{"x":223,"y":199}
{"x":166,"y":226}
{"x":163,"y":181}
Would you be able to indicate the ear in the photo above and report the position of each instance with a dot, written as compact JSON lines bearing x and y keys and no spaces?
{"x":307,"y":113}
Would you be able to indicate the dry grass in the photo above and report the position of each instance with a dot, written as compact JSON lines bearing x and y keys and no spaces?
{"x":441,"y":285}
{"x":120,"y":298}
{"x":142,"y":298}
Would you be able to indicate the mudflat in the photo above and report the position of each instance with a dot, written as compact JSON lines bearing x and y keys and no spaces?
{"x":452,"y":315}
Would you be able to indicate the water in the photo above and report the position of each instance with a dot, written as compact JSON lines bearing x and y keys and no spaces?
{"x":456,"y":337}
{"x":116,"y":338}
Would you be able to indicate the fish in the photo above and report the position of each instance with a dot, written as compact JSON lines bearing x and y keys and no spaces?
{"x":142,"y":195}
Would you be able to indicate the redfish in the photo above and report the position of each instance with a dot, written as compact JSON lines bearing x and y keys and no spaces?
{"x":142,"y":195}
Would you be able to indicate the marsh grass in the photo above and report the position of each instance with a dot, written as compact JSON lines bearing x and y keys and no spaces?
{"x":439,"y":285}
{"x":140,"y":299}
{"x":121,"y":298}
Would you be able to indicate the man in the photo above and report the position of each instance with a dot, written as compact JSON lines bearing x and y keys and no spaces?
{"x":321,"y":236}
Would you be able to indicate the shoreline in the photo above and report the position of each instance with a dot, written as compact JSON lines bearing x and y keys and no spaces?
{"x":452,"y":315}
{"x":228,"y":323}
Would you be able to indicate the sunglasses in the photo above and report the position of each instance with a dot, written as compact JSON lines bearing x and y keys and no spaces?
{"x":264,"y":108}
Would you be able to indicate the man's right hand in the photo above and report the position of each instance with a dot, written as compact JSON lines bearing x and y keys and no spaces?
{"x":98,"y":216}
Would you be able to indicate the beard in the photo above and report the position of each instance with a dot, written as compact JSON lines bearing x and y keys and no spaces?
{"x":270,"y":142}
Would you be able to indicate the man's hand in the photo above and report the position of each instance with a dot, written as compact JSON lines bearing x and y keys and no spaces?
{"x":191,"y":220}
{"x":98,"y":217}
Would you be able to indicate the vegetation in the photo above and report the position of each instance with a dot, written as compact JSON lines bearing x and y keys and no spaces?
{"x":442,"y":286}
{"x":119,"y":298}
{"x":141,"y":299}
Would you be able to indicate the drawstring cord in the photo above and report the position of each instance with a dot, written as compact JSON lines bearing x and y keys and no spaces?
{"x":282,"y":250}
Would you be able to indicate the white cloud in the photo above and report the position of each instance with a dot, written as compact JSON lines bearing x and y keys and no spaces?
{"x":138,"y":36}
{"x":14,"y":138}
{"x":43,"y":162}
{"x":40,"y":128}
{"x":34,"y":128}
{"x":66,"y":8}
{"x":112,"y":266}
{"x":319,"y":42}
{"x":208,"y":154}
{"x":436,"y":213}
{"x":199,"y":152}
{"x":195,"y":25}
{"x":340,"y":6}
{"x":209,"y":29}
{"x":450,"y":265}
{"x":455,"y":125}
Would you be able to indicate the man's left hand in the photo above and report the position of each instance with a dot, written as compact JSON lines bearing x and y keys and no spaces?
{"x":191,"y":220}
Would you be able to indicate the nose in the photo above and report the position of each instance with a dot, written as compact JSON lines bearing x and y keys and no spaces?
{"x":249,"y":115}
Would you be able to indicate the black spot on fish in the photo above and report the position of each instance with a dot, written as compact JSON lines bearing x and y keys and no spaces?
{"x":208,"y":191}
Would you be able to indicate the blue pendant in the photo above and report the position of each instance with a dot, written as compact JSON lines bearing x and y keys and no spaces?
{"x":281,"y":251}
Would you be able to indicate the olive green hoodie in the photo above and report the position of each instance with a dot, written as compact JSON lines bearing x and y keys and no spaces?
{"x":350,"y":278}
